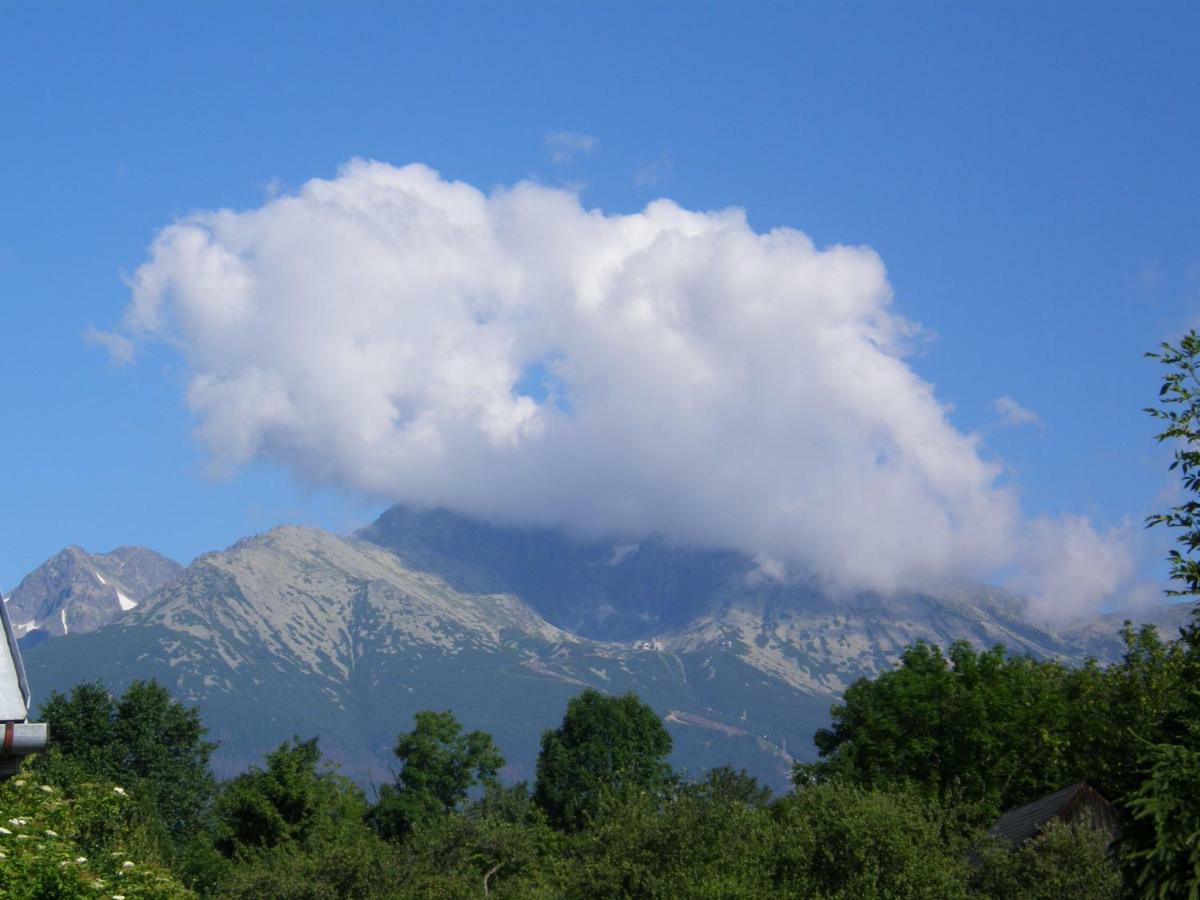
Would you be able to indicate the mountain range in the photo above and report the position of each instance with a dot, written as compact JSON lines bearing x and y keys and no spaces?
{"x":299,"y":631}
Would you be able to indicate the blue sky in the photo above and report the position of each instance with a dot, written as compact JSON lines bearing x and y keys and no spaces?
{"x":1026,"y":172}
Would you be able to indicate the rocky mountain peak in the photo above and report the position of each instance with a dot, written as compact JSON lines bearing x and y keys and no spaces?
{"x":315,"y":601}
{"x":76,"y":591}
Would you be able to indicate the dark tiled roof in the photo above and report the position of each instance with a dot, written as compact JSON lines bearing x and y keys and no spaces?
{"x":1020,"y":824}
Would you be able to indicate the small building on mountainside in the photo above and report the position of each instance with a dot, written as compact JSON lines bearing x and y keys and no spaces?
{"x":1076,"y":804}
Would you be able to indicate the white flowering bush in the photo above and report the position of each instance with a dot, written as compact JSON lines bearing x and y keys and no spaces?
{"x":84,"y":843}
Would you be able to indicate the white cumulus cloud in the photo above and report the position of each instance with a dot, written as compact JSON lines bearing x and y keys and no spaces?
{"x":514,"y":355}
{"x":1067,"y":565}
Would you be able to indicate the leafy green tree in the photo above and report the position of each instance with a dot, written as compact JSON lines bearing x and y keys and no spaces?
{"x":837,"y":840}
{"x":144,"y":740}
{"x":981,"y":728}
{"x":1063,"y":861}
{"x":497,"y":846}
{"x":1163,"y":822}
{"x":606,"y":749}
{"x":1179,"y":413}
{"x":1162,"y":845}
{"x":1132,"y":703}
{"x":362,"y":866}
{"x":91,"y":841}
{"x":295,"y":829}
{"x":290,"y":801}
{"x":439,"y":765}
{"x":1165,"y":852}
{"x":683,"y":846}
{"x":724,"y":784}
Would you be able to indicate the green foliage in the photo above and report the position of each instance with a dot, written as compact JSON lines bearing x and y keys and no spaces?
{"x":982,"y":728}
{"x":502,"y":841}
{"x":1064,"y":861}
{"x":609,"y":819}
{"x":1179,"y":412}
{"x":439,"y":765}
{"x":1165,"y":856}
{"x":607,"y":749}
{"x":724,"y":784}
{"x":1164,"y":853}
{"x":353,"y":866}
{"x":90,"y":841}
{"x":1138,"y":701}
{"x":145,"y":741}
{"x":291,"y":801}
{"x":296,"y":829}
{"x":843,"y":841}
{"x":684,"y":847}
{"x":828,"y":841}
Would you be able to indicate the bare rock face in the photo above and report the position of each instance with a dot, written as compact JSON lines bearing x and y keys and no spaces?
{"x":77,"y":592}
{"x":316,"y":601}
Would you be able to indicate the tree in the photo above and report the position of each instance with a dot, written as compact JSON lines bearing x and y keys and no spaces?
{"x":979,"y":727}
{"x":498,"y":845}
{"x":1162,"y":844}
{"x":439,"y":765}
{"x":1063,"y":861}
{"x":144,"y":739}
{"x":724,"y":784}
{"x":607,"y":749}
{"x":1132,"y":703}
{"x":87,"y":843}
{"x":296,"y":828}
{"x":845,"y":841}
{"x":290,"y":801}
{"x":680,"y":846}
{"x":1179,"y":411}
{"x":1164,"y":852}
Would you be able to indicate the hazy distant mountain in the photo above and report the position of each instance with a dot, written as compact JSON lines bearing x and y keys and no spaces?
{"x":76,"y":591}
{"x":298,"y":631}
{"x":1101,"y":637}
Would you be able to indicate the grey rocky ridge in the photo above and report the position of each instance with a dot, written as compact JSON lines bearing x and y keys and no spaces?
{"x":298,"y":631}
{"x":76,"y":591}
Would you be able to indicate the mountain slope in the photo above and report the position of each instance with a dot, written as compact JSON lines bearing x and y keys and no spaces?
{"x":79,"y":591}
{"x":315,"y":600}
{"x":300,"y":632}
{"x":819,"y":645}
